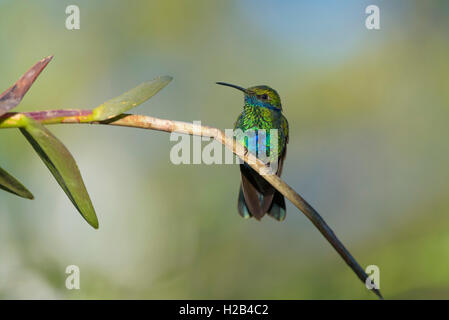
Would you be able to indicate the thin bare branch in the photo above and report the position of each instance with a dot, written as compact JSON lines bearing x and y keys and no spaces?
{"x":12,"y":97}
{"x":152,"y":123}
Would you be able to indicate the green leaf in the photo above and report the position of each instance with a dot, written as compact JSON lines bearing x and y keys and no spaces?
{"x":10,"y":184}
{"x":130,"y":99}
{"x":62,"y":165}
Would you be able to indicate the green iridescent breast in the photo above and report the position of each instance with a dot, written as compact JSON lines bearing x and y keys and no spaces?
{"x":252,"y":120}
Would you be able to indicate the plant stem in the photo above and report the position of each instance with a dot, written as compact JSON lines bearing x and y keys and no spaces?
{"x":14,"y":120}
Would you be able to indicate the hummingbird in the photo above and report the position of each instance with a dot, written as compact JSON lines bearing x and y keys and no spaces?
{"x":262,"y":110}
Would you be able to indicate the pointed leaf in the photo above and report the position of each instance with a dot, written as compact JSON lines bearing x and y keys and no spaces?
{"x":130,"y":99}
{"x":10,"y":184}
{"x":63,"y":167}
{"x":12,"y":96}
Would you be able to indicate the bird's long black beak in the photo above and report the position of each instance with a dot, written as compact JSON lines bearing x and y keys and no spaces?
{"x":232,"y":86}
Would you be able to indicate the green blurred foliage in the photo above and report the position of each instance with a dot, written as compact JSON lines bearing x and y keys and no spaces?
{"x":368,"y":115}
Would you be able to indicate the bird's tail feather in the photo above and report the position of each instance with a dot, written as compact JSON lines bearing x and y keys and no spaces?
{"x":277,"y":209}
{"x":241,"y":205}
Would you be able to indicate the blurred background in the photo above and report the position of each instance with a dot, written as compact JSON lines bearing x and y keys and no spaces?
{"x":368,"y":113}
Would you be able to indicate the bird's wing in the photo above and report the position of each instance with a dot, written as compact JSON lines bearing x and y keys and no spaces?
{"x":270,"y":192}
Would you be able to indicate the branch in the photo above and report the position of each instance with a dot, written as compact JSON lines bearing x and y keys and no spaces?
{"x":152,"y":123}
{"x":63,"y":167}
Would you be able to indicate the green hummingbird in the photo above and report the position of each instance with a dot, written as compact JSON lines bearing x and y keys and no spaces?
{"x":262,"y":112}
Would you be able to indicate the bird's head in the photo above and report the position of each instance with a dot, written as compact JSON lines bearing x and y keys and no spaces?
{"x":260,"y":96}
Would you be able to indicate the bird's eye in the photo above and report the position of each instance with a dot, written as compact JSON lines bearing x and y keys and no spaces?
{"x":264,"y":96}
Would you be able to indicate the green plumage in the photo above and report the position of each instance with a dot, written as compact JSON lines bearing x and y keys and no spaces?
{"x":259,"y":118}
{"x":262,"y":111}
